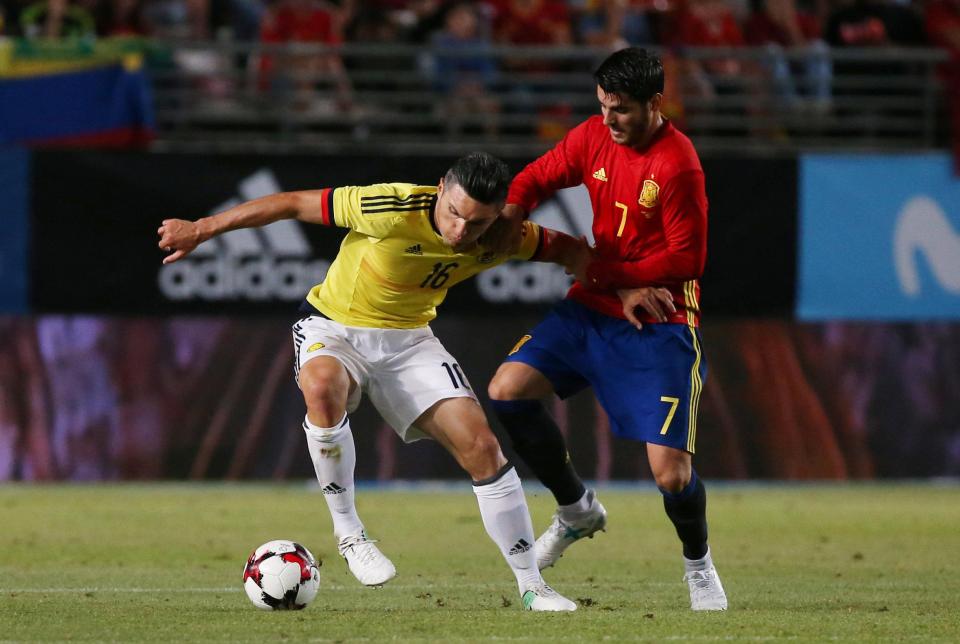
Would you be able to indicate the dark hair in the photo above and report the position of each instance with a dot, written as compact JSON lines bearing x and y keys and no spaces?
{"x":633,"y":71}
{"x":482,"y":176}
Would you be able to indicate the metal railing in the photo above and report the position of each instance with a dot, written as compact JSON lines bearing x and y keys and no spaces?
{"x":404,"y":99}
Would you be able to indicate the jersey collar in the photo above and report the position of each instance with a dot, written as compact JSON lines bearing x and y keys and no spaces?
{"x":432,"y":215}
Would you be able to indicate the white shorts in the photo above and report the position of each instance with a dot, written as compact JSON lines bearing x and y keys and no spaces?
{"x":403,"y":371}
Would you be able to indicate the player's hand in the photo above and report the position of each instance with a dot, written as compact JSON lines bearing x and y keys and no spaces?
{"x":504,"y":235}
{"x":657,"y":302}
{"x":178,"y":237}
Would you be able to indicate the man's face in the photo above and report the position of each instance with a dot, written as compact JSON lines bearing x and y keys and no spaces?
{"x":630,"y":121}
{"x":462,"y":219}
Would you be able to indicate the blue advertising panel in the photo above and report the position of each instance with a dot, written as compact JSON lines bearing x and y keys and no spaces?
{"x":14,"y":229}
{"x":879,"y":237}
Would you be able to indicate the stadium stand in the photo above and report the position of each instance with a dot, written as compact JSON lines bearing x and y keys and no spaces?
{"x":510,"y":76}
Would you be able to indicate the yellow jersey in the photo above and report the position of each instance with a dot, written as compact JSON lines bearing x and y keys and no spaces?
{"x":393,"y":268}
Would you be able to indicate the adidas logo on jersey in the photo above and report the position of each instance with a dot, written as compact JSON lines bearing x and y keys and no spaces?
{"x":600,"y":174}
{"x":519,"y":547}
{"x":413,"y":250}
{"x":333,"y":488}
{"x":274,"y":262}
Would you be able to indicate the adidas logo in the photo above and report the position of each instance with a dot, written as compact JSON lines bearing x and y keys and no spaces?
{"x":333,"y":488}
{"x":519,"y":547}
{"x":274,"y":262}
{"x":413,"y":250}
{"x":600,"y":174}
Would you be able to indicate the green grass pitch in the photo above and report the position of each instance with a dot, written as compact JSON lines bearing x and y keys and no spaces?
{"x":866,"y":563}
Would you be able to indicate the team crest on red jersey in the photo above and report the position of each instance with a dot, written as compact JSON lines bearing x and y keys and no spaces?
{"x":650,"y":194}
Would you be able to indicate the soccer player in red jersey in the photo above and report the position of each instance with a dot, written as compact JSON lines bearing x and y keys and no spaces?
{"x":629,"y":326}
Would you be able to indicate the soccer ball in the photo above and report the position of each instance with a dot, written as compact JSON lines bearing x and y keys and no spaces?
{"x":281,"y":575}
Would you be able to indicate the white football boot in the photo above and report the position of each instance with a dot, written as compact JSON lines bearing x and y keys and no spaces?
{"x":568,"y":528}
{"x":706,"y":591}
{"x":542,"y":597}
{"x":365,"y":560}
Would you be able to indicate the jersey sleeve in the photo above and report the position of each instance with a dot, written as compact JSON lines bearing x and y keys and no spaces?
{"x":531,"y":241}
{"x":561,"y":167}
{"x":372,"y":210}
{"x":683,"y":257}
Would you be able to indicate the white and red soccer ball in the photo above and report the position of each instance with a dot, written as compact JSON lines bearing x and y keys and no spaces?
{"x":281,"y":575}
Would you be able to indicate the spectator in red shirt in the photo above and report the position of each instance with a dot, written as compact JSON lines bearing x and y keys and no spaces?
{"x":709,"y":23}
{"x":535,"y":23}
{"x":779,"y":25}
{"x":305,"y":21}
{"x":532,"y":22}
{"x":780,"y":22}
{"x":301,"y":21}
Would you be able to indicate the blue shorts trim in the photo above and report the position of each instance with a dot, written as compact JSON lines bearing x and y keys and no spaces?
{"x":649,"y":380}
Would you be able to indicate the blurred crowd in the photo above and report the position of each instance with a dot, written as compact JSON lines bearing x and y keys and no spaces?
{"x":796,"y":37}
{"x":733,"y":23}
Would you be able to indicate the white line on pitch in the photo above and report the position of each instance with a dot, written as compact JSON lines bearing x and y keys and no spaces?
{"x":426,"y":586}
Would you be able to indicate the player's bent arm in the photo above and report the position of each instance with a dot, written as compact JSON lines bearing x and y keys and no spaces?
{"x":673,"y":266}
{"x":559,"y":167}
{"x":181,"y":236}
{"x":560,"y":248}
{"x":684,"y":253}
{"x":503,"y":237}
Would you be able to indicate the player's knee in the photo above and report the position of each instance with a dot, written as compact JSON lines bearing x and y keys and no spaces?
{"x":486,"y":447}
{"x":324,"y":392}
{"x":483,"y":457}
{"x":503,"y":387}
{"x":672,"y":480}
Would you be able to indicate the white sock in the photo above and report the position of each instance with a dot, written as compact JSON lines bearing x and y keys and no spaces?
{"x":578,"y":507}
{"x":334,"y":458}
{"x":694,"y":565}
{"x":503,"y":509}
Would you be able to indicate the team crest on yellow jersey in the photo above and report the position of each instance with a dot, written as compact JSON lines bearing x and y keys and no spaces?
{"x":650,"y":194}
{"x":522,"y":341}
{"x":316,"y":345}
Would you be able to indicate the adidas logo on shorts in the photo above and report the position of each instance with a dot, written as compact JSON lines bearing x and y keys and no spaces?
{"x":519,"y":547}
{"x":413,"y":250}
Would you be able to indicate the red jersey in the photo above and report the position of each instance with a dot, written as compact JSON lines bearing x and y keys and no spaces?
{"x":300,"y":22}
{"x":649,"y":213}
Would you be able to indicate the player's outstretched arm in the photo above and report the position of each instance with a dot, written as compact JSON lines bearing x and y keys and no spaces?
{"x":179,"y":237}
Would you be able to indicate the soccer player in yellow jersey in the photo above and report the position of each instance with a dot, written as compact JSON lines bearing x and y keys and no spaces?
{"x":367,"y":329}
